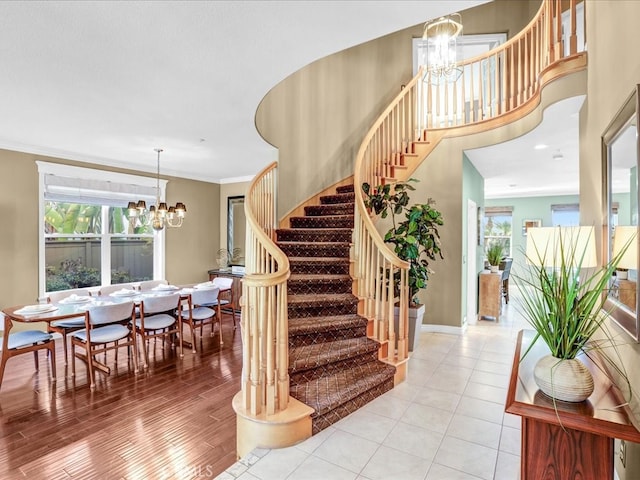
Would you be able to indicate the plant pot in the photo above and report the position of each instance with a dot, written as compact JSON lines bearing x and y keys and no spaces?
{"x":415,"y":324}
{"x":566,"y":380}
{"x":622,"y":274}
{"x":495,"y":268}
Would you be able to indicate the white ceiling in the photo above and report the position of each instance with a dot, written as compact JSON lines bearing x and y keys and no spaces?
{"x":517,"y":169}
{"x":108,"y":81}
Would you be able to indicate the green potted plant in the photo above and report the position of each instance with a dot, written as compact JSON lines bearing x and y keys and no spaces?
{"x":495,"y":252}
{"x":562,"y":296}
{"x":413,"y":234}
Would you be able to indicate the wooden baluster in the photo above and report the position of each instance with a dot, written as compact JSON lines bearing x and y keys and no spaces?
{"x":503,"y":81}
{"x":456,"y":120}
{"x":472,"y":107}
{"x":558,"y":37}
{"x":573,"y":37}
{"x":481,"y":99}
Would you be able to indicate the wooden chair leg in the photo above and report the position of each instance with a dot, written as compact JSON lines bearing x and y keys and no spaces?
{"x":73,"y":359}
{"x":3,"y":362}
{"x":145,"y":351}
{"x":35,"y":359}
{"x":92,"y":382}
{"x":64,"y":346}
{"x":52,"y":357}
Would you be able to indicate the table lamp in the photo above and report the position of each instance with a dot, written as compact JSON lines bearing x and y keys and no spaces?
{"x":624,"y":235}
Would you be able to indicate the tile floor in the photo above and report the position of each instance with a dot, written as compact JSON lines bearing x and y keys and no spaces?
{"x":445,"y":422}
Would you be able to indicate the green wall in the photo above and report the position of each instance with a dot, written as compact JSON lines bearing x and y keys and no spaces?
{"x":472,"y":189}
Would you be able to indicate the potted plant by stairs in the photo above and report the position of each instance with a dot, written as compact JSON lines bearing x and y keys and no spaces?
{"x":495,"y":252}
{"x":415,"y":239}
{"x":561,"y":295}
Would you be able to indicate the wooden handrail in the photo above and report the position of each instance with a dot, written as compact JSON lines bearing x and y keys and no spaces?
{"x":427,"y":109}
{"x":265,"y":330}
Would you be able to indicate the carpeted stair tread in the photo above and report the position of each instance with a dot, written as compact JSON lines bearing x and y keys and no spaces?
{"x":348,"y":197}
{"x":327,"y":221}
{"x":334,"y":265}
{"x":315,"y":249}
{"x":303,"y":326}
{"x":306,"y":283}
{"x":322,"y":260}
{"x":318,"y":277}
{"x":313,"y":356}
{"x":345,"y":188}
{"x":323,"y":298}
{"x":314,"y":234}
{"x":327,"y":393}
{"x":330,"y":209}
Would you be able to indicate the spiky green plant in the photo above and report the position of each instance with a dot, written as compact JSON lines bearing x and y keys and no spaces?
{"x":564,"y":303}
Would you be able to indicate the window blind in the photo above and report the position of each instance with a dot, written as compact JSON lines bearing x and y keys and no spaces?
{"x":64,"y":183}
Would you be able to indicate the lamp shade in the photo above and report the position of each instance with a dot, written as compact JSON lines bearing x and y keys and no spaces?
{"x":540,"y":246}
{"x":554,"y":246}
{"x":623,"y":236}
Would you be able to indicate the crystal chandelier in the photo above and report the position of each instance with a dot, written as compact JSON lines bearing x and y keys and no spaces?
{"x":440,"y":57}
{"x":158,"y":216}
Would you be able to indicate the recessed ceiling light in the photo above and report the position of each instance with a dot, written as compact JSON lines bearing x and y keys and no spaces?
{"x":540,"y":146}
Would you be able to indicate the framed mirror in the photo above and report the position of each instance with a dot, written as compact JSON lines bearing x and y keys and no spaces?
{"x":620,"y":154}
{"x":236,"y":227}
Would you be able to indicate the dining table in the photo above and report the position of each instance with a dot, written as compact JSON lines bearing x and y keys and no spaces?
{"x":75,"y":306}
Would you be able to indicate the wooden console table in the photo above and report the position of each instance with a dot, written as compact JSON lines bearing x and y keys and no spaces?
{"x":490,"y":295}
{"x":571,"y":441}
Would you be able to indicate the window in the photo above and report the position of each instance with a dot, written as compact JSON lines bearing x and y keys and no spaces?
{"x":498,"y":227}
{"x":566,"y":215}
{"x":87,"y":239}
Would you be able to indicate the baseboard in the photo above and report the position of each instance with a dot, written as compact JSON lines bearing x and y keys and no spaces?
{"x":429,"y":328}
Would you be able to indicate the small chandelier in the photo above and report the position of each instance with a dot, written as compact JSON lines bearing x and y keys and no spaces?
{"x":440,"y":36}
{"x":160,"y":216}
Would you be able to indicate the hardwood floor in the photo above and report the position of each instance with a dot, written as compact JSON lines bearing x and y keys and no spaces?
{"x":173,"y":421}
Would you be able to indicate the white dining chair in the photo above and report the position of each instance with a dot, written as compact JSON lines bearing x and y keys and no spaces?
{"x":107,"y":327}
{"x":226,"y":299}
{"x":69,"y":325}
{"x":158,"y":317}
{"x":202,"y":304}
{"x":25,"y":341}
{"x":147,"y":285}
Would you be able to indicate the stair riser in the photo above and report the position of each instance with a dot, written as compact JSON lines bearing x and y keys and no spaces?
{"x":322,"y":337}
{"x":320,"y":371}
{"x":316,"y":287}
{"x":319,"y":310}
{"x":338,"y":209}
{"x":320,"y":422}
{"x":320,"y":269}
{"x":322,"y":222}
{"x":314,"y":250}
{"x":319,"y":236}
{"x":345,"y":188}
{"x":338,"y":198}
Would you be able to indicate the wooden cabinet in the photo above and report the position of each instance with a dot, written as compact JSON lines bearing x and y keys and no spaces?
{"x":490,"y":295}
{"x":236,"y":287}
{"x":562,"y":440}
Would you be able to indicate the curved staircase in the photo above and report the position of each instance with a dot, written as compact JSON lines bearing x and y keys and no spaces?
{"x":333,"y":365}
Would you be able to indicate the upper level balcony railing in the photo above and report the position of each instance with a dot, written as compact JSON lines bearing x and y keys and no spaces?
{"x":498,"y":85}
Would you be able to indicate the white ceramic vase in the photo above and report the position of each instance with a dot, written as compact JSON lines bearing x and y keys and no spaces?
{"x":566,"y":380}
